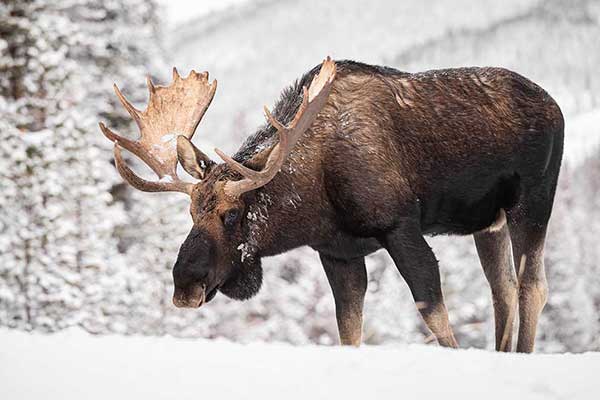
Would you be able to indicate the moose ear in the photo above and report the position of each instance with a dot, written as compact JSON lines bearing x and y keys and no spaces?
{"x":193,"y":161}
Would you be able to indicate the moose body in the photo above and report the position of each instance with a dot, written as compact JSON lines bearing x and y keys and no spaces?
{"x":387,"y":158}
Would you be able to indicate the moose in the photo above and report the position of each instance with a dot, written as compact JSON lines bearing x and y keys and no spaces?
{"x":355,"y":158}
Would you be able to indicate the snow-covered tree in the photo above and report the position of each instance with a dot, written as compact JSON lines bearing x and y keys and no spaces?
{"x":59,"y":257}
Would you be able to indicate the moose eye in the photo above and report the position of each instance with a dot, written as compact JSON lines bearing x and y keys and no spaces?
{"x":231,"y":217}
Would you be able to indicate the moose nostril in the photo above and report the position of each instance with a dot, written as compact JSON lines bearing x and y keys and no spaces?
{"x":177,"y":302}
{"x":187,"y":303}
{"x":190,"y":297}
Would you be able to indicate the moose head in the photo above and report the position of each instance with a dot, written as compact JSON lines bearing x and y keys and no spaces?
{"x":213,"y":257}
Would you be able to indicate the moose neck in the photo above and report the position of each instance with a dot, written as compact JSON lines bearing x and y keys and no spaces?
{"x":290,"y":211}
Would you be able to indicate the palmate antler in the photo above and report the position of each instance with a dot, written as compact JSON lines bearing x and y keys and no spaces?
{"x":172,"y":111}
{"x":314,"y":98}
{"x":171,"y":118}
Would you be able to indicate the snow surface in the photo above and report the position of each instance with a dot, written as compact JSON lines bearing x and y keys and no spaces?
{"x":75,"y":365}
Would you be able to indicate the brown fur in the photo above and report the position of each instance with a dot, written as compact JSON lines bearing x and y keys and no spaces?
{"x":391,"y":157}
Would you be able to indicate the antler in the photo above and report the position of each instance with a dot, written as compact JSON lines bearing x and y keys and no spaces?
{"x":314,"y":98}
{"x":172,"y":111}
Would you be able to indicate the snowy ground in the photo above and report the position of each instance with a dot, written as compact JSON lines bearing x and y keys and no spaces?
{"x":75,"y":365}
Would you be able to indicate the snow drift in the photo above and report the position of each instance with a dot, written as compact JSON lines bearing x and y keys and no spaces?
{"x":74,"y":365}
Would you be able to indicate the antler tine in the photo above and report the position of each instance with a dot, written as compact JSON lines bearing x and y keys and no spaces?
{"x":276,"y":124}
{"x":172,"y":111}
{"x":150,"y":85}
{"x":144,"y":185}
{"x":313,"y":100}
{"x":301,"y":109}
{"x":113,"y":137}
{"x":242,"y":170}
{"x":134,"y":112}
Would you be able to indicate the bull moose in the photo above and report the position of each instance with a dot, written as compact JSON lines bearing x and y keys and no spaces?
{"x":355,"y":158}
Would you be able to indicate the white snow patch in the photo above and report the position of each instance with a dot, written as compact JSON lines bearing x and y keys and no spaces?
{"x":244,"y":248}
{"x":252,"y":216}
{"x":167,"y":138}
{"x":37,"y":138}
{"x":76,"y":365}
{"x":166,"y":179}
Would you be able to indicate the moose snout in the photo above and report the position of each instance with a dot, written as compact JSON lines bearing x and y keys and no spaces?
{"x":191,"y":297}
{"x":190,"y":285}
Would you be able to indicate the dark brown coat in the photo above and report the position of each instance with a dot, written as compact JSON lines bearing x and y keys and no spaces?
{"x":391,"y":157}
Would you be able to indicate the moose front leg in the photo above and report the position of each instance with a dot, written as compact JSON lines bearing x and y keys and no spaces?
{"x":348,"y":280}
{"x":419,"y":268}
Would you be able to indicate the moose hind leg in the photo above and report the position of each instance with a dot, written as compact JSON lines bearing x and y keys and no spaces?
{"x":348,"y":281}
{"x":528,"y":250}
{"x":419,"y":268}
{"x":493,"y":248}
{"x":527,"y":224}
